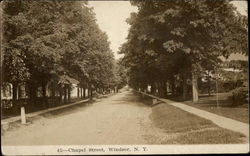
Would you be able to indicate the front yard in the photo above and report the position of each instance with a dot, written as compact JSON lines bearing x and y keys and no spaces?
{"x":224,"y":107}
{"x":182,"y":127}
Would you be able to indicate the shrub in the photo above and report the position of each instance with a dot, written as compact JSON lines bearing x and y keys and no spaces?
{"x":240,"y":95}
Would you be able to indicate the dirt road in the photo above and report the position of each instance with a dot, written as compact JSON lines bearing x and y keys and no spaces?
{"x":118,"y":119}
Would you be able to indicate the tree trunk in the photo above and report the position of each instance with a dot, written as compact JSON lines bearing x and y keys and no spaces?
{"x":61,"y":93}
{"x":33,"y":94}
{"x":45,"y":105}
{"x":164,"y":89}
{"x":14,"y":91}
{"x":78,"y":92}
{"x":173,"y":86}
{"x":84,"y":92}
{"x":91,"y":93}
{"x":44,"y":90}
{"x":31,"y":91}
{"x":14,"y":97}
{"x":53,"y":90}
{"x":53,"y":103}
{"x":209,"y":84}
{"x":184,"y":93}
{"x":159,"y":89}
{"x":152,"y":90}
{"x":19,"y":96}
{"x":65,"y":94}
{"x":156,"y":88}
{"x":166,"y":83}
{"x":69,"y":93}
{"x":195,"y":87}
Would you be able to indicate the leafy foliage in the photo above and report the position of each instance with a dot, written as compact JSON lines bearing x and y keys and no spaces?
{"x":170,"y":39}
{"x":63,"y":39}
{"x":240,"y":95}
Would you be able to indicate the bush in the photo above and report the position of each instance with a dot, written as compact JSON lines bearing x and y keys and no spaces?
{"x":240,"y":95}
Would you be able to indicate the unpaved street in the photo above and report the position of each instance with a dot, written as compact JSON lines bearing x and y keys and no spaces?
{"x":118,"y":119}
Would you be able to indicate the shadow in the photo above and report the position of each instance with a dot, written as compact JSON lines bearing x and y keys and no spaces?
{"x":213,"y":103}
{"x":67,"y":110}
{"x":158,"y":103}
{"x":207,"y":96}
{"x":32,"y":106}
{"x":206,"y":100}
{"x":73,"y":109}
{"x":133,"y":98}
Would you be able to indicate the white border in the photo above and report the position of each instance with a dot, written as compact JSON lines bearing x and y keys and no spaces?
{"x":150,"y":149}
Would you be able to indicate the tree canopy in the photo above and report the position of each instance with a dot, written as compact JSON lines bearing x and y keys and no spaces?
{"x":44,"y":40}
{"x":170,"y":40}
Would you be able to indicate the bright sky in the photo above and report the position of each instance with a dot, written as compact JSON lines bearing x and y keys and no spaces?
{"x":241,"y":6}
{"x":111,"y":17}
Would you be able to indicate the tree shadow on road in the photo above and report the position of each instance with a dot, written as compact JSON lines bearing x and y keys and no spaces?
{"x":134,"y":98}
{"x":68,"y":110}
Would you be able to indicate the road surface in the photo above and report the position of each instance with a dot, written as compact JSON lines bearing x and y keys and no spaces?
{"x":118,"y":119}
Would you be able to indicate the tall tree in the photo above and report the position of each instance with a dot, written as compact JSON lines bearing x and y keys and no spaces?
{"x":186,"y":35}
{"x":62,"y":43}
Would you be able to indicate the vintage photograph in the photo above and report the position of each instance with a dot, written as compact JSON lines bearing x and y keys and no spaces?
{"x":99,"y":77}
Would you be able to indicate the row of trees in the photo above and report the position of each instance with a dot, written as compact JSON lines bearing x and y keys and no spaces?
{"x":173,"y":41}
{"x":56,"y":42}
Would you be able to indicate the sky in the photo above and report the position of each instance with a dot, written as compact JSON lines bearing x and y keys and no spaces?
{"x":111,"y":17}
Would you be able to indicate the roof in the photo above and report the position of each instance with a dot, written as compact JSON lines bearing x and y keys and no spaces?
{"x":65,"y":79}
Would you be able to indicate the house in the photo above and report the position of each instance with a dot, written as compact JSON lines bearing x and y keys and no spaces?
{"x":53,"y":89}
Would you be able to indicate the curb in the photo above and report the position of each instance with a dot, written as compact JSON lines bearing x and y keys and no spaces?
{"x":5,"y":122}
{"x":219,"y":120}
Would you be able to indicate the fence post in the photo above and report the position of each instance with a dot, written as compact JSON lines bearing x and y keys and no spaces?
{"x":154,"y":101}
{"x":23,"y":118}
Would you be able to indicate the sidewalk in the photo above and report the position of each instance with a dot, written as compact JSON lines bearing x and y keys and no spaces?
{"x":7,"y":121}
{"x":221,"y":121}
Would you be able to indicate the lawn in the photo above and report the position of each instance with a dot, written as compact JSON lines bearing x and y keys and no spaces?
{"x":186,"y":128}
{"x":207,"y":136}
{"x":209,"y":103}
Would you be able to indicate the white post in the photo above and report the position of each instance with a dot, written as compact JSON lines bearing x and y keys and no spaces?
{"x":23,"y":118}
{"x":154,"y":101}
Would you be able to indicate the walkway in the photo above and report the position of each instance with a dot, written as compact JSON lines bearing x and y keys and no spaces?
{"x":122,"y":119}
{"x":217,"y":119}
{"x":117,"y":119}
{"x":33,"y":114}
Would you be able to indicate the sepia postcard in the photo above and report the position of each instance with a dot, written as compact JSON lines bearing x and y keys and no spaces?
{"x":129,"y":77}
